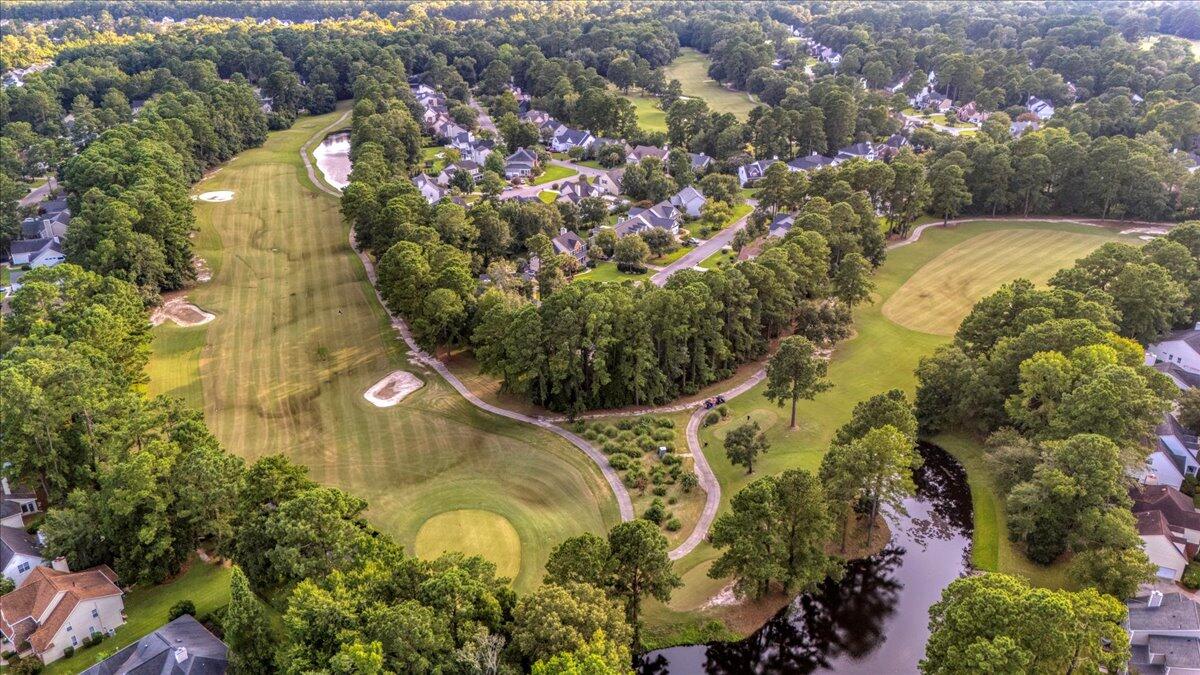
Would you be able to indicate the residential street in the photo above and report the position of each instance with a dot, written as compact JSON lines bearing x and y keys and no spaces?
{"x":698,"y":254}
{"x":38,"y":194}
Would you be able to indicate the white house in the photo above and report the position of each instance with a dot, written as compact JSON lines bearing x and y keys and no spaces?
{"x":430,"y":190}
{"x":1180,"y":348}
{"x":20,"y":553}
{"x":54,"y":608}
{"x":1164,"y":634}
{"x":862,"y":150}
{"x":1038,"y":107}
{"x":37,"y":252}
{"x":754,"y":171}
{"x":566,"y":138}
{"x":465,"y":165}
{"x":689,"y":200}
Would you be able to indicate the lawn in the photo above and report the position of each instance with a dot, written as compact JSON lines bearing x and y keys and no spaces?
{"x":691,"y":69}
{"x":649,"y":115}
{"x":547,"y":196}
{"x":552,"y":173}
{"x":299,"y":336}
{"x":607,"y":271}
{"x":719,"y":259}
{"x":146,"y":610}
{"x":672,"y":256}
{"x":882,"y":355}
{"x":991,"y":550}
{"x":590,"y":163}
{"x":939,"y":295}
{"x":436,"y":163}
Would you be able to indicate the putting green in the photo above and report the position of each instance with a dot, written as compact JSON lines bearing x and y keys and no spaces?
{"x":942,"y":292}
{"x":472,"y":532}
{"x":302,"y":336}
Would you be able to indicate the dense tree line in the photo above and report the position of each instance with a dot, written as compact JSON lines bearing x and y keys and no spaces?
{"x":1058,"y":380}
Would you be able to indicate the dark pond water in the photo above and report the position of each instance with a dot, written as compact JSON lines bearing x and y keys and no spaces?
{"x":333,"y":159}
{"x":873,"y":621}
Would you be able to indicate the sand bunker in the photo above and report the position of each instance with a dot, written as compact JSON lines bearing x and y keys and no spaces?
{"x":1146,"y":231}
{"x":203,"y":273}
{"x":392,"y":389}
{"x":217,"y":196}
{"x":181,"y":312}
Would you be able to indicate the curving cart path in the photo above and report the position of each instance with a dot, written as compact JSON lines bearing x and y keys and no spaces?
{"x":707,"y":479}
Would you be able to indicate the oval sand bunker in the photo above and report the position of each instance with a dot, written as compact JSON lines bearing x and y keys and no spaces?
{"x":392,"y":389}
{"x":181,"y":312}
{"x":217,"y":196}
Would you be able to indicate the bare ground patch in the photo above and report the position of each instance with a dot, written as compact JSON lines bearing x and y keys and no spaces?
{"x":181,"y":312}
{"x":392,"y":389}
{"x":203,"y":271}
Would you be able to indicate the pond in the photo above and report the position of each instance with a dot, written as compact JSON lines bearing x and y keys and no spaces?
{"x":333,"y":159}
{"x":876,"y":619}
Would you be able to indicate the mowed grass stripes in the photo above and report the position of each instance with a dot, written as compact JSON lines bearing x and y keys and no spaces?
{"x":942,"y":292}
{"x":298,"y":338}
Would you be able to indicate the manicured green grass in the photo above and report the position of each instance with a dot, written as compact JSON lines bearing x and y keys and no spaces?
{"x":5,"y":275}
{"x":146,"y":610}
{"x":473,"y":532}
{"x":547,"y":196}
{"x":991,"y":550}
{"x":590,"y":163}
{"x":607,"y":271}
{"x":691,"y":69}
{"x":175,"y":369}
{"x":650,"y":116}
{"x":672,"y":256}
{"x":882,"y":355}
{"x":300,"y":335}
{"x":552,"y":173}
{"x":430,"y":154}
{"x":940,"y":294}
{"x":719,"y":259}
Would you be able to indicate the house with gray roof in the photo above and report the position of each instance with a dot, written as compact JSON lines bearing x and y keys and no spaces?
{"x":45,"y":252}
{"x":182,"y":647}
{"x":1164,"y":633}
{"x":661,"y":215}
{"x":863,"y":150}
{"x":641,"y":152}
{"x":1179,"y":347}
{"x":20,"y":552}
{"x":430,"y":190}
{"x":781,"y":225}
{"x":579,"y":189}
{"x":566,"y":138}
{"x":520,"y":164}
{"x":751,"y":173}
{"x":689,"y":201}
{"x":700,"y":162}
{"x":810,"y":162}
{"x":571,"y":244}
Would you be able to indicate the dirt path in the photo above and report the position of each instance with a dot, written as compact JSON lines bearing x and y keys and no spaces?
{"x":624,"y":503}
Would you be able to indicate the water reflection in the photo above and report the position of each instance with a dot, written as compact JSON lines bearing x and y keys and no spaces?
{"x":333,"y":159}
{"x":875,"y":620}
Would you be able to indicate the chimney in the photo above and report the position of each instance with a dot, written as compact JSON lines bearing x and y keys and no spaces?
{"x":1150,"y":479}
{"x":1156,"y":598}
{"x":60,"y":564}
{"x":1198,"y":325}
{"x":181,"y":654}
{"x":7,"y":490}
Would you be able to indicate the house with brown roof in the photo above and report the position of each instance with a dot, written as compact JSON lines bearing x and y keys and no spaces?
{"x":54,"y":609}
{"x":1169,"y":526}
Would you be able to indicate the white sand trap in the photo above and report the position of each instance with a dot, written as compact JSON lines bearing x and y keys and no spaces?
{"x":724,"y":598}
{"x":392,"y":389}
{"x":203,"y":273}
{"x":1146,"y":230}
{"x":181,"y":312}
{"x":217,"y":196}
